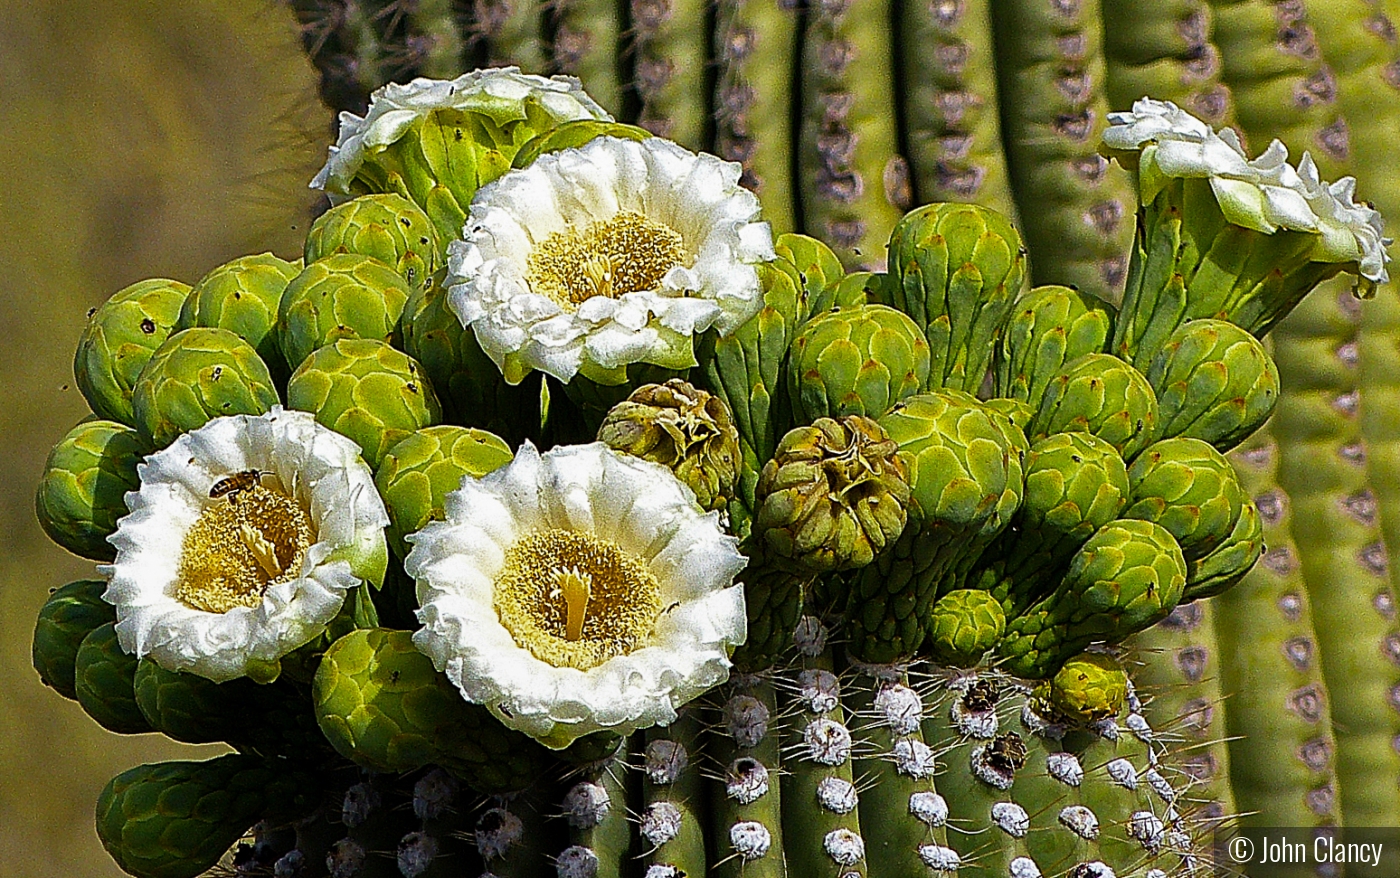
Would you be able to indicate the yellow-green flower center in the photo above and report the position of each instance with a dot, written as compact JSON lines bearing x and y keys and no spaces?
{"x":575,"y":600}
{"x":624,"y":254}
{"x":241,"y":545}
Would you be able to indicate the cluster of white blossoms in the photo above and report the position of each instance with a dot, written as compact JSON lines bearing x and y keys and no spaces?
{"x":1266,"y":194}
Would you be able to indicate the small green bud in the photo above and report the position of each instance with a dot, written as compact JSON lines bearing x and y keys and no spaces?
{"x":344,"y":295}
{"x":119,"y":338}
{"x":386,"y":226}
{"x":104,"y":681}
{"x":963,"y":625}
{"x":197,"y":375}
{"x":1230,"y":561}
{"x":70,"y":615}
{"x":86,"y":478}
{"x":1102,"y":395}
{"x":855,"y":361}
{"x":1089,"y":687}
{"x":1049,"y":327}
{"x":242,"y":296}
{"x":1214,"y":382}
{"x":1189,"y":488}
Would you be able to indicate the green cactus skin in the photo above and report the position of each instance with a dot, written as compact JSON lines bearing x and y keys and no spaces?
{"x":1075,"y":207}
{"x":1214,"y":382}
{"x":366,"y":390}
{"x":1340,"y":546}
{"x":818,"y":780}
{"x":1180,"y":678}
{"x":599,"y":828}
{"x":419,"y":471}
{"x":671,"y":779}
{"x":69,"y":615}
{"x":513,"y":31}
{"x":343,"y":295}
{"x":756,"y":48}
{"x":176,"y":819}
{"x":856,"y":361}
{"x":1164,"y":50}
{"x":1129,"y":575}
{"x":746,"y":831}
{"x":120,"y":336}
{"x":432,"y":38}
{"x":853,"y":185}
{"x":957,"y":270}
{"x":86,"y":478}
{"x":1048,"y":327}
{"x":197,"y":375}
{"x":949,"y":105}
{"x":587,"y":34}
{"x":774,"y":598}
{"x":242,"y":297}
{"x":103,"y":682}
{"x":670,"y":73}
{"x":1102,"y":395}
{"x":386,"y":226}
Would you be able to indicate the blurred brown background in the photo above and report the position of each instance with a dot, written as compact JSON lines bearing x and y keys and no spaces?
{"x":137,"y":139}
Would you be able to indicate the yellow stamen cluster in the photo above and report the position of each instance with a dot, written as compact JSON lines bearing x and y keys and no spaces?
{"x":625,"y":254}
{"x":239,"y":547}
{"x":575,"y":600}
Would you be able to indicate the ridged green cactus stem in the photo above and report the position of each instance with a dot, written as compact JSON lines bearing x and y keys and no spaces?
{"x":957,"y":270}
{"x":587,"y":35}
{"x":746,"y":814}
{"x":1342,"y":552}
{"x":756,"y":49}
{"x":821,"y":825}
{"x":1048,"y":327}
{"x":594,"y":808}
{"x":1179,"y":680}
{"x":670,"y":72}
{"x":1165,"y":50}
{"x":775,"y":598}
{"x":896,"y":767}
{"x":513,"y":31}
{"x":853,"y":185}
{"x":949,"y":104}
{"x":1278,"y":716}
{"x":1076,"y":209}
{"x":674,"y":814}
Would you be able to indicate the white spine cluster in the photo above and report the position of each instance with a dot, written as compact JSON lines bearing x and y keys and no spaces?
{"x":661,"y":822}
{"x":1081,"y":821}
{"x":837,"y":795}
{"x":1065,"y":768}
{"x":746,"y":719}
{"x":810,"y":636}
{"x":415,"y":854}
{"x":665,"y":761}
{"x":1024,"y":867}
{"x":939,"y":858}
{"x":586,"y":805}
{"x":746,"y":780}
{"x":827,"y":742}
{"x":1148,"y":829}
{"x":819,"y":690}
{"x":929,"y":809}
{"x":1011,"y":819}
{"x":360,"y":801}
{"x":576,"y":862}
{"x":1121,"y":771}
{"x":750,"y":839}
{"x":433,"y":794}
{"x":497,"y":831}
{"x":913,"y":758}
{"x":900,"y":708}
{"x":844,"y":846}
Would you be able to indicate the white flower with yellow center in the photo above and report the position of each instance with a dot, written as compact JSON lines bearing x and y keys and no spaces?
{"x":242,"y":542}
{"x":613,"y":253}
{"x":578,"y":591}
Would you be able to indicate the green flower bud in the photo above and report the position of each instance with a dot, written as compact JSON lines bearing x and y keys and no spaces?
{"x":817,"y":271}
{"x":86,"y":477}
{"x":242,"y":296}
{"x":1049,"y":327}
{"x":855,"y":361}
{"x":419,"y":471}
{"x":386,"y":226}
{"x":572,"y":135}
{"x":1128,"y":576}
{"x":1099,"y":394}
{"x":957,"y":269}
{"x":1190,"y":489}
{"x":380,"y":703}
{"x":858,"y":288}
{"x":1214,"y":382}
{"x":103,"y":679}
{"x":69,"y":615}
{"x":191,"y":708}
{"x":472,"y":390}
{"x":197,"y":375}
{"x":366,"y":390}
{"x":177,"y":819}
{"x":119,"y":338}
{"x":345,"y":295}
{"x":833,"y":496}
{"x":1230,"y":561}
{"x":963,"y":625}
{"x":682,"y":428}
{"x":1089,"y":687}
{"x":1013,"y":410}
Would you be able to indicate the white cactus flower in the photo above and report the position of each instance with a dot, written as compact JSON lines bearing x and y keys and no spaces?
{"x":1266,"y":194}
{"x":394,"y":108}
{"x":578,"y":591}
{"x":613,"y":253}
{"x":242,"y":543}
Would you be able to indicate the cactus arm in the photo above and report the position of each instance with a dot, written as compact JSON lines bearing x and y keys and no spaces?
{"x":1075,"y":207}
{"x":1278,"y":714}
{"x":587,"y":34}
{"x":513,"y":31}
{"x":949,"y":104}
{"x":1164,"y":50}
{"x":604,"y":831}
{"x":671,"y":75}
{"x":747,"y":836}
{"x":756,"y":50}
{"x":675,"y":781}
{"x":1180,"y":677}
{"x":433,"y":24}
{"x":854,"y":186}
{"x":819,"y":780}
